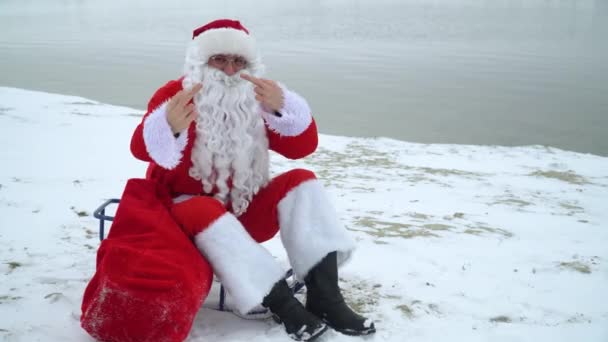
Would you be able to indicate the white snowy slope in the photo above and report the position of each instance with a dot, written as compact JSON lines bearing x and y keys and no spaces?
{"x":455,"y":243}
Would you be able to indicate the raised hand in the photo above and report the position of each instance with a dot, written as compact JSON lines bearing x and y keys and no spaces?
{"x":267,"y":92}
{"x":180,"y":112}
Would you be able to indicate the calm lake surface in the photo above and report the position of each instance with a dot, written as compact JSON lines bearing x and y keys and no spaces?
{"x":488,"y":72}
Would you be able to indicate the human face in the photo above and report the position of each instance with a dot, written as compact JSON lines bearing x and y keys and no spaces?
{"x":229,"y":64}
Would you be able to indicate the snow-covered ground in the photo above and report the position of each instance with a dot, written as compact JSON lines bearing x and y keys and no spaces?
{"x":455,"y":243}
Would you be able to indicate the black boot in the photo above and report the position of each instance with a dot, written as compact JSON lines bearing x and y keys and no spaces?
{"x":324,"y":299}
{"x":300,"y":324}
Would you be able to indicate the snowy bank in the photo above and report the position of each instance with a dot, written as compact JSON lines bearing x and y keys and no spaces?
{"x":459,"y":243}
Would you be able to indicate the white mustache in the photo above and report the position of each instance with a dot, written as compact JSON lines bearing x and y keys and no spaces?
{"x":219,"y":76}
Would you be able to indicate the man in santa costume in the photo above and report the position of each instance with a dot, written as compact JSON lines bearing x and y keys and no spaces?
{"x":207,"y":138}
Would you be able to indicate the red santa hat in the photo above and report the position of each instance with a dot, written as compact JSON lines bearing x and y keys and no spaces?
{"x":224,"y":36}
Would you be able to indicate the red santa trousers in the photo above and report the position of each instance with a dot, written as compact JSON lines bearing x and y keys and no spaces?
{"x":294,"y":204}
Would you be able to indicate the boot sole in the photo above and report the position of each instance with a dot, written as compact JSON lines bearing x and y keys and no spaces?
{"x":352,"y":332}
{"x":312,"y":338}
{"x":319,"y":333}
{"x":356,"y":333}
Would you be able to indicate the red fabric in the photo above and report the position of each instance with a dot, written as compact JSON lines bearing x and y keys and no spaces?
{"x":150,"y":279}
{"x":197,"y":213}
{"x":294,"y":147}
{"x":261,"y":219}
{"x":178,"y":180}
{"x":220,"y":23}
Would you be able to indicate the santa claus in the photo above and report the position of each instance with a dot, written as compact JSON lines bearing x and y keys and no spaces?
{"x":207,"y":138}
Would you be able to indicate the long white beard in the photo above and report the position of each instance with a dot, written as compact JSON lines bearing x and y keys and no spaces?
{"x":231,"y":139}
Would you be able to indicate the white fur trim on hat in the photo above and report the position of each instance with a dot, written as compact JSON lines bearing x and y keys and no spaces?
{"x":227,"y":41}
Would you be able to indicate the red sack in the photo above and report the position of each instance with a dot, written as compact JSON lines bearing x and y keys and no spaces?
{"x":150,"y":279}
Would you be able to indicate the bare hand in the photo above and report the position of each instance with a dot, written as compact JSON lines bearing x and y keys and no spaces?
{"x":180,"y":112}
{"x":267,"y":92}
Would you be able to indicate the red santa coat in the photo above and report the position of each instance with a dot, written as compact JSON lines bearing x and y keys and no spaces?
{"x":175,"y":175}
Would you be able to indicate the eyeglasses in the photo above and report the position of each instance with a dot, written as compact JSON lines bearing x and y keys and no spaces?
{"x":221,"y":61}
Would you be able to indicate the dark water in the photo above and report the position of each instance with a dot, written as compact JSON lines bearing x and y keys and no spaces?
{"x":504,"y":72}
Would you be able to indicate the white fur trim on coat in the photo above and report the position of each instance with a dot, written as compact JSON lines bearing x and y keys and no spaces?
{"x":245,"y":268}
{"x":182,"y":198}
{"x":310,"y":228}
{"x":161,"y":145}
{"x":296,"y":115}
{"x":226,"y":41}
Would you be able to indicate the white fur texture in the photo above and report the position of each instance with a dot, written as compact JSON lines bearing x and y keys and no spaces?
{"x":310,"y":228}
{"x":296,"y":115}
{"x":245,"y":268}
{"x":182,"y":198}
{"x":162,"y":146}
{"x":226,"y":41}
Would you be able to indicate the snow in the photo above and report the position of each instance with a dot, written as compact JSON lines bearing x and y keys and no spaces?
{"x":465,"y":243}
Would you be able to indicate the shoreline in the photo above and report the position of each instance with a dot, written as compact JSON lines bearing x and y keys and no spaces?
{"x":139,"y":113}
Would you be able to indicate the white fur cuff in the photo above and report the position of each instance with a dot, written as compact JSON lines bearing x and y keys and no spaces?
{"x":245,"y":268}
{"x":310,"y":228}
{"x":161,"y":145}
{"x":296,"y":115}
